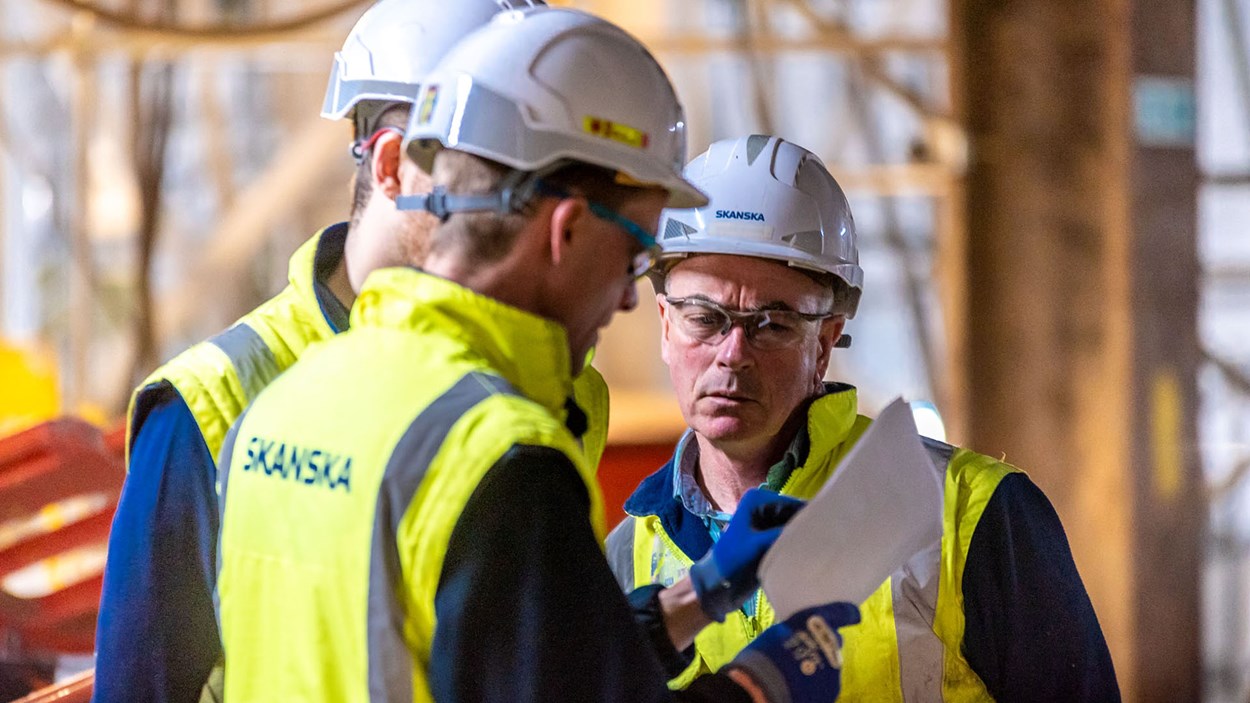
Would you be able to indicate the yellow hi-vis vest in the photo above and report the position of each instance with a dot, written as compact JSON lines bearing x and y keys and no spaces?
{"x":342,"y":483}
{"x":219,"y":377}
{"x":908,"y":645}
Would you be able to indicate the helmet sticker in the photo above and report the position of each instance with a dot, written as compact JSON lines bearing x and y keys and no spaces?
{"x":425,"y":107}
{"x":615,"y":131}
{"x":740,"y":231}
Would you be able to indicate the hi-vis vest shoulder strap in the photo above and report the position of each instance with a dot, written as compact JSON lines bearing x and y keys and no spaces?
{"x":907,"y":646}
{"x":218,"y":378}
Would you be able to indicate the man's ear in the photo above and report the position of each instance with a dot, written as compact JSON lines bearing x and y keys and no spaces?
{"x":384,"y":164}
{"x":661,"y":305}
{"x":564,"y":219}
{"x":830,"y":331}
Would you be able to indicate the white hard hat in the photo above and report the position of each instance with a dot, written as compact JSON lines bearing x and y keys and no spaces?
{"x":545,"y":86}
{"x":395,"y":43}
{"x":770,"y":199}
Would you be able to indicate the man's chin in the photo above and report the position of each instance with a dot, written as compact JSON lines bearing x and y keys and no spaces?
{"x":724,"y":427}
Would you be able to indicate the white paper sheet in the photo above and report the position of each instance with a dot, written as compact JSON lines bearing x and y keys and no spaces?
{"x":882,"y":506}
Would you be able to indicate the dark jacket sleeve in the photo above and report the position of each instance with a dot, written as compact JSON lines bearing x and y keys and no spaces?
{"x":156,"y":638}
{"x":1031,"y":632}
{"x":649,"y":616}
{"x":527,"y":607}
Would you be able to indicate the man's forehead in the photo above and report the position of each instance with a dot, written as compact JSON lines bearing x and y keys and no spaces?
{"x":741,"y":280}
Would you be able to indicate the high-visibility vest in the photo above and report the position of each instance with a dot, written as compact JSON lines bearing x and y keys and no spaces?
{"x":219,"y":377}
{"x":908,"y":645}
{"x":340,"y":497}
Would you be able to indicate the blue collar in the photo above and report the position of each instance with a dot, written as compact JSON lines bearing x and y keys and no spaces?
{"x":655,"y":495}
{"x":687,"y":490}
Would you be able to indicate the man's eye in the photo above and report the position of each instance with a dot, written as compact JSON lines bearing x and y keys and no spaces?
{"x":705,"y":319}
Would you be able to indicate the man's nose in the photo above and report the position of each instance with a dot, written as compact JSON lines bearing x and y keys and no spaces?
{"x":734,"y":350}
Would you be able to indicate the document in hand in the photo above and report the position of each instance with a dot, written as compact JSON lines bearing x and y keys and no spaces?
{"x":882,"y":506}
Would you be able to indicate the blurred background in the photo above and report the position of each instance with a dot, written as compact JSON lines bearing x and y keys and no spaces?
{"x":1053,"y":201}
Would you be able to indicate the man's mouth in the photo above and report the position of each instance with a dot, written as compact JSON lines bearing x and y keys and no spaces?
{"x":727,"y":395}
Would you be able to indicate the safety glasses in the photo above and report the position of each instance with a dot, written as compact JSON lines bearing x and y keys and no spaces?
{"x":767,"y":330}
{"x":643,"y":260}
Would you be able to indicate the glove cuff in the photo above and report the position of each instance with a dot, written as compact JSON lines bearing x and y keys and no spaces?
{"x":712,"y":588}
{"x":765,"y":673}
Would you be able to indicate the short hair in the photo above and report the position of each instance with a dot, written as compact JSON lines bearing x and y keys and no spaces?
{"x":370,"y":116}
{"x":485,"y":237}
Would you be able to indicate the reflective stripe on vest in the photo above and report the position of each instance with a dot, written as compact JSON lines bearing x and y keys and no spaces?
{"x":620,"y":553}
{"x":915,"y":598}
{"x":390,"y":664}
{"x":253,"y":360}
{"x":218,"y":378}
{"x":223,"y":481}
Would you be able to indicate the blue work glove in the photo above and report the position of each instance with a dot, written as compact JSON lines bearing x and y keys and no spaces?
{"x":725,"y":577}
{"x":800,"y":659}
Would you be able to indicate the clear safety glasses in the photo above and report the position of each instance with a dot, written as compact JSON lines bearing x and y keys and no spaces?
{"x":766,"y":330}
{"x":643,"y":260}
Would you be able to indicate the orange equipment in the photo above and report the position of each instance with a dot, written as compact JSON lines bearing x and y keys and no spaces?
{"x":59,"y":484}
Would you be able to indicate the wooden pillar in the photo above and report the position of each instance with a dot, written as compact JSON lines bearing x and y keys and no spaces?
{"x":81,"y":287}
{"x":1079,"y":298}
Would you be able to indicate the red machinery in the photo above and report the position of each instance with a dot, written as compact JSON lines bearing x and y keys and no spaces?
{"x":68,"y":458}
{"x":43,"y":471}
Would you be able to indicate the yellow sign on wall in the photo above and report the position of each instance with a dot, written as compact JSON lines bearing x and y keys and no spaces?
{"x":28,"y":388}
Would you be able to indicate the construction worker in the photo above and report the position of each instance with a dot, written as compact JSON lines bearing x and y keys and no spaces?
{"x":426,"y":526}
{"x":754,"y":290}
{"x":157,"y":638}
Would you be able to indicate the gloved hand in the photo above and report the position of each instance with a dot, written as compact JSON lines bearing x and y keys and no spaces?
{"x":800,"y":659}
{"x":725,"y":577}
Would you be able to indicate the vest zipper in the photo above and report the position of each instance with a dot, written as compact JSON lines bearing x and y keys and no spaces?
{"x":751,"y":623}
